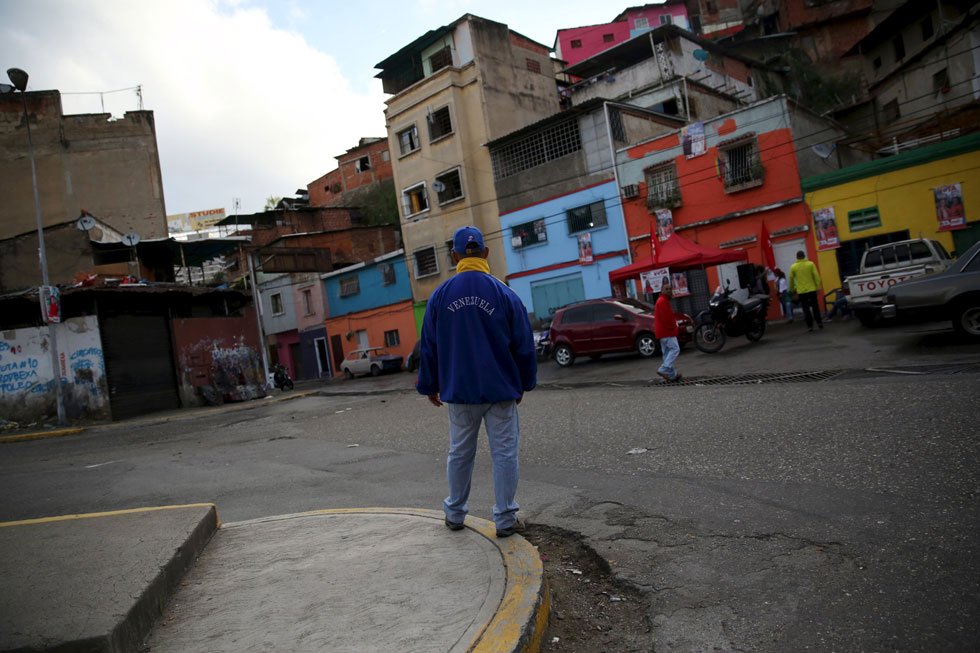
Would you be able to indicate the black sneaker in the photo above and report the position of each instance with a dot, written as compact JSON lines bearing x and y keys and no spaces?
{"x":454,"y":526}
{"x":518,"y":527}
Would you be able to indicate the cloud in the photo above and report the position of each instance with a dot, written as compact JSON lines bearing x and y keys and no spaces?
{"x":242,"y":108}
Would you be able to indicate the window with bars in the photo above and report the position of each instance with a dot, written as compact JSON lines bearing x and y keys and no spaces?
{"x":641,"y":23}
{"x":440,"y":124}
{"x":426,"y":263}
{"x":450,"y":186}
{"x":441,"y":59}
{"x":663,"y":189}
{"x":868,"y":218}
{"x":392,"y":339}
{"x":529,"y":233}
{"x":536,"y":149}
{"x":350,"y":286}
{"x":387,"y":271}
{"x":533,"y":65}
{"x":586,"y":217}
{"x":743,"y":168}
{"x":408,"y":140}
{"x":415,"y":200}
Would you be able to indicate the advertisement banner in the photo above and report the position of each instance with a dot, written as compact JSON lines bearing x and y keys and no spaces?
{"x":651,"y":281}
{"x":692,"y":140}
{"x":665,"y":224}
{"x":50,"y":303}
{"x":949,"y":207}
{"x":679,"y":282}
{"x":585,"y":248}
{"x":201,"y":219}
{"x":825,"y":226}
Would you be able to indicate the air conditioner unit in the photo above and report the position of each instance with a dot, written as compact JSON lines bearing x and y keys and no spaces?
{"x":631,"y":191}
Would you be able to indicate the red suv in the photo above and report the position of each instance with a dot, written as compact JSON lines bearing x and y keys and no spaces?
{"x":605,"y":326}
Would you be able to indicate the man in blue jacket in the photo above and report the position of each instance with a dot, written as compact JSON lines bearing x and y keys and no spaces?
{"x":477,"y":356}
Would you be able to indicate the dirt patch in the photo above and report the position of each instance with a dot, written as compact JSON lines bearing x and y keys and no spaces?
{"x":591,"y":612}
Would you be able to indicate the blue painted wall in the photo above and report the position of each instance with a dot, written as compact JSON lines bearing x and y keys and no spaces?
{"x":562,"y":247}
{"x":373,"y":293}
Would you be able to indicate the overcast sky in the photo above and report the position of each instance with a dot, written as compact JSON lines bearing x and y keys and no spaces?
{"x":251,"y":98}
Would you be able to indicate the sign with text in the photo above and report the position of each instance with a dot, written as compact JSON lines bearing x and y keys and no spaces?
{"x":678,"y":281}
{"x":825,"y":225}
{"x":949,"y":207}
{"x":692,"y":140}
{"x":652,"y":280}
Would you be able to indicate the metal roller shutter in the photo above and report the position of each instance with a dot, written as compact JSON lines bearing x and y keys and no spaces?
{"x":139,"y":365}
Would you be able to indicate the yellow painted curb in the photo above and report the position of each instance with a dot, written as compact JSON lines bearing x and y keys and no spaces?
{"x":40,"y":434}
{"x":520,"y":620}
{"x":89,"y":515}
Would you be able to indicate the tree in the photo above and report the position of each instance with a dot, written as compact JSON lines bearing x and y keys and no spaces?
{"x":271,"y":202}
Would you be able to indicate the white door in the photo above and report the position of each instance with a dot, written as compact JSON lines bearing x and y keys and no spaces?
{"x":785,"y":251}
{"x":362,"y":339}
{"x":728,"y":277}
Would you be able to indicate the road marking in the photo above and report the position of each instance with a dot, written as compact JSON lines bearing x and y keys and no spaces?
{"x":44,"y":520}
{"x":101,"y":464}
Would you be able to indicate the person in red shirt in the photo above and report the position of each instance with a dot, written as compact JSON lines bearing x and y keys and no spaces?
{"x":665,"y":329}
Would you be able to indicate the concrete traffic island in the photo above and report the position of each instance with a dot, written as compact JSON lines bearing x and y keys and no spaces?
{"x":95,"y":582}
{"x":377,"y":579}
{"x":174,"y":579}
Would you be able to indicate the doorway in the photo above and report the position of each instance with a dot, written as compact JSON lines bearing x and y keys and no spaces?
{"x":337,"y":349}
{"x":362,"y":339}
{"x":323,"y":361}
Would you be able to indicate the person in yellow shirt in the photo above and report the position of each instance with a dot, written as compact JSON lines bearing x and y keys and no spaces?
{"x":804,"y":282}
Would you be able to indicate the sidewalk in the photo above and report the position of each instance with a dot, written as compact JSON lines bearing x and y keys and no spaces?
{"x":378,"y":579}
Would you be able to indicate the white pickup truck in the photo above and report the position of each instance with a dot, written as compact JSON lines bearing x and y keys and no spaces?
{"x":884,"y":266}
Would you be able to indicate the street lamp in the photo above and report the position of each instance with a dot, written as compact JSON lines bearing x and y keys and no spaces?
{"x":19,"y":79}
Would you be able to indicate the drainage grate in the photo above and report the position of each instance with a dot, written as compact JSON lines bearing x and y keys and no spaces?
{"x":752,"y":379}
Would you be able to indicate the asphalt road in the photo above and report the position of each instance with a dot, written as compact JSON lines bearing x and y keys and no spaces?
{"x":834,"y":515}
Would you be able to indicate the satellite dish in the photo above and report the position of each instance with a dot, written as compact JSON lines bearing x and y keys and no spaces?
{"x":131,"y":239}
{"x":86,"y":222}
{"x":822,"y":150}
{"x":438,"y":186}
{"x":701,"y":55}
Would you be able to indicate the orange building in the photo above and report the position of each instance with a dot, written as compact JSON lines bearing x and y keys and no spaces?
{"x":726,"y":182}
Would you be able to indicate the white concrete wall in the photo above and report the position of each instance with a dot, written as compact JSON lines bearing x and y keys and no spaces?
{"x":26,"y":390}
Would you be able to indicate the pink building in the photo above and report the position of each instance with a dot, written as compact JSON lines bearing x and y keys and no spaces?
{"x":577,"y":43}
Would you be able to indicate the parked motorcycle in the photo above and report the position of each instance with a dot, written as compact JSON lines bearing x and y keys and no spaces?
{"x":280,"y":377}
{"x":727,"y":316}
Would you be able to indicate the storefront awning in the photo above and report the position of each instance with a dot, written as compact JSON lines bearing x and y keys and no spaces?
{"x":678,"y":254}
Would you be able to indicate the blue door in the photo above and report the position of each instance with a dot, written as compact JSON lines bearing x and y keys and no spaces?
{"x":550,"y":295}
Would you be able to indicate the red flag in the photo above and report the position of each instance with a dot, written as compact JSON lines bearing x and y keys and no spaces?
{"x":653,"y":243}
{"x":767,"y":252}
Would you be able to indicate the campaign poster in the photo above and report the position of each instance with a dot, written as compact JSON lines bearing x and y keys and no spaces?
{"x":665,"y":224}
{"x":585,"y":248}
{"x":678,"y":281}
{"x":652,"y":280}
{"x":949,"y":207}
{"x":50,"y":304}
{"x":825,"y":226}
{"x":692,"y":139}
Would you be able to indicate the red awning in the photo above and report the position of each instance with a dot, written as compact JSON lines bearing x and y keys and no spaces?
{"x":679,"y":254}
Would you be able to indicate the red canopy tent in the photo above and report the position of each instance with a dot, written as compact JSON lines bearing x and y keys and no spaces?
{"x":678,"y":254}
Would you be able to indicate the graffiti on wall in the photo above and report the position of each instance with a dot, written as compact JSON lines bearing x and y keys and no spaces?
{"x":18,"y":373}
{"x":85,"y":364}
{"x":237,"y":372}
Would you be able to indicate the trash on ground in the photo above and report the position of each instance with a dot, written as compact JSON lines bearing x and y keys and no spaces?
{"x":636,"y":450}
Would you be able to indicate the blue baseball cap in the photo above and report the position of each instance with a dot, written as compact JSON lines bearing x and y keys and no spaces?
{"x":466,"y":235}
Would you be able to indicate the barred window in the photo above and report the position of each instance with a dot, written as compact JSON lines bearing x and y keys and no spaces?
{"x":448,"y":186}
{"x":529,"y":233}
{"x":586,"y":217}
{"x":440,"y":124}
{"x":663,"y":191}
{"x":408,"y":140}
{"x":415,"y":200}
{"x":425,"y":262}
{"x":350,"y":286}
{"x":387,"y":271}
{"x":533,"y":65}
{"x":392,"y":339}
{"x":743,"y":169}
{"x":441,"y":59}
{"x":535,"y":149}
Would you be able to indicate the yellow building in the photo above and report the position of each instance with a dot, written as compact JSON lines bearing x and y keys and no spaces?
{"x":453,"y":90}
{"x":896,"y":198}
